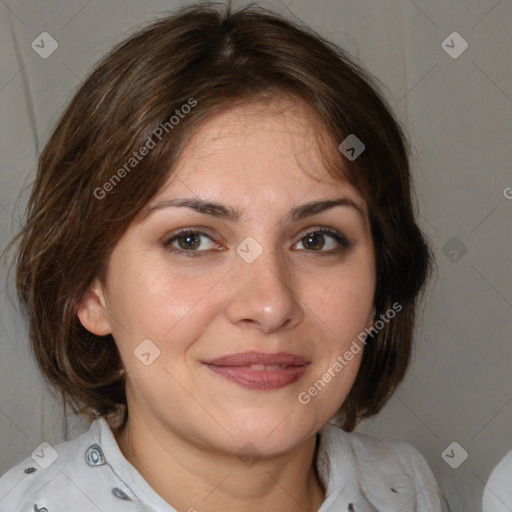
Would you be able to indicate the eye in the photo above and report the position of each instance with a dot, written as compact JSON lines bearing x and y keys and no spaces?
{"x":188,"y":242}
{"x":325,"y":240}
{"x":192,"y":243}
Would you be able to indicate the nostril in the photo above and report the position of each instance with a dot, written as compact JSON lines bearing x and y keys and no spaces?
{"x":351,"y":507}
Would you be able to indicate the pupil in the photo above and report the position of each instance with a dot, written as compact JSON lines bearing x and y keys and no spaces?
{"x":190,"y":241}
{"x":315,"y":241}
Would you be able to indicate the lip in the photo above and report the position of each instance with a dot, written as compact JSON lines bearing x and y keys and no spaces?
{"x":253,"y":357}
{"x":237,"y":368}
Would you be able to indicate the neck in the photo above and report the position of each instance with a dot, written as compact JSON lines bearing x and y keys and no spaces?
{"x":192,"y":477}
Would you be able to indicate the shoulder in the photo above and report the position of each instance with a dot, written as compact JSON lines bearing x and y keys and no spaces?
{"x":380,"y":448}
{"x":39,"y":472}
{"x":389,"y":470}
{"x":24,"y":480}
{"x":49,"y":470}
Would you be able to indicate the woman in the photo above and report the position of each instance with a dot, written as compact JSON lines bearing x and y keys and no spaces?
{"x":221,"y":257}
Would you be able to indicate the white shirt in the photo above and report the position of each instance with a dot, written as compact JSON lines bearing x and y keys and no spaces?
{"x":360,"y":473}
{"x":498,"y":491}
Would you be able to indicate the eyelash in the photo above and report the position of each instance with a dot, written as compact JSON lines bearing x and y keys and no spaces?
{"x":343,"y":242}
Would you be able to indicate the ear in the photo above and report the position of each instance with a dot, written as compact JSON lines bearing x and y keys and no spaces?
{"x":370,"y":322}
{"x":92,"y":310}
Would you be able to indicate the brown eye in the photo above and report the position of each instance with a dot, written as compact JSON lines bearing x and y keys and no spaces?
{"x":314,"y":241}
{"x":324,"y":240}
{"x":189,"y":243}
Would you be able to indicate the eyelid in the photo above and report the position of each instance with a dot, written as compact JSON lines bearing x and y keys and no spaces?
{"x":187,"y":253}
{"x":340,"y":238}
{"x":199,"y":230}
{"x":333,"y":232}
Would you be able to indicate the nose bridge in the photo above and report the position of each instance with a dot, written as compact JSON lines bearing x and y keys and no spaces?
{"x":267,"y":270}
{"x":263,"y":291}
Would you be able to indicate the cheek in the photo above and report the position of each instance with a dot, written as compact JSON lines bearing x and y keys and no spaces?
{"x":154,"y":298}
{"x":344,"y":302}
{"x":169,"y":308}
{"x":348,"y":309}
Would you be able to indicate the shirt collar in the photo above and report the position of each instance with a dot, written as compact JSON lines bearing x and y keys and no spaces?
{"x":333,"y":467}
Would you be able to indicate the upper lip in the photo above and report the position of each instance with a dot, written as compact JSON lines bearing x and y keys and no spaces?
{"x":250,"y":358}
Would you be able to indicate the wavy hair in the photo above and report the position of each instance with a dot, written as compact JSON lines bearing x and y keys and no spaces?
{"x":220,"y":58}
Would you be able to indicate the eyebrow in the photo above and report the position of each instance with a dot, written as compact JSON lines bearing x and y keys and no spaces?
{"x":228,"y":213}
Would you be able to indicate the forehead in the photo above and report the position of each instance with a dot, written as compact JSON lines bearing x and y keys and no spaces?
{"x":258,"y":134}
{"x":272,"y":149}
{"x":284,"y":116}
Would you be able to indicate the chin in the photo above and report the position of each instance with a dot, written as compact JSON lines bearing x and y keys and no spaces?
{"x":271,"y":435}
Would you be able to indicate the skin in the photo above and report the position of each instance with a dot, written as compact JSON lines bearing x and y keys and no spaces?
{"x":187,"y":424}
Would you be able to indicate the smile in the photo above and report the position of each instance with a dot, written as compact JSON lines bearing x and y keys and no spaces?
{"x":260,"y":371}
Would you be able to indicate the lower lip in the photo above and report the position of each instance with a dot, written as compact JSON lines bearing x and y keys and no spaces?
{"x":260,"y":379}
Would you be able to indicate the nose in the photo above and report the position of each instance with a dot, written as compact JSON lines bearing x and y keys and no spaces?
{"x":263,"y":296}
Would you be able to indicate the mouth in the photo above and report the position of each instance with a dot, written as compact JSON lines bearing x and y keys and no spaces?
{"x":258,"y":370}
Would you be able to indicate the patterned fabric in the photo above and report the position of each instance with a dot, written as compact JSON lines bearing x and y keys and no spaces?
{"x":360,"y":473}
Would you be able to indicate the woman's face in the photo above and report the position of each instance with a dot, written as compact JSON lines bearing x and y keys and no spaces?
{"x":259,"y":276}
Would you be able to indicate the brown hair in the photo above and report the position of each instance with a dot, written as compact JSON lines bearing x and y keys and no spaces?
{"x":217,"y":59}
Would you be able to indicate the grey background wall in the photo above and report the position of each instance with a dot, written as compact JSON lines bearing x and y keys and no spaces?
{"x":457,"y":110}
